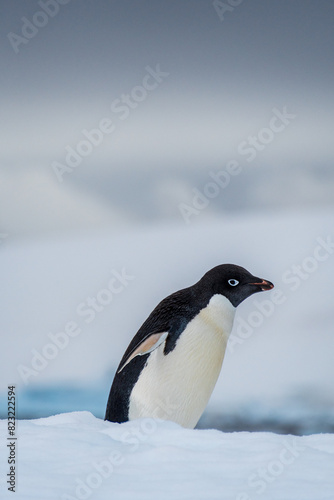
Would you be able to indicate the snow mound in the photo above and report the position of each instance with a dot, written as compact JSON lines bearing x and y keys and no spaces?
{"x":77,"y":456}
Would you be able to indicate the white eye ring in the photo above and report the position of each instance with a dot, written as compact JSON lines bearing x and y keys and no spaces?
{"x":233,"y":282}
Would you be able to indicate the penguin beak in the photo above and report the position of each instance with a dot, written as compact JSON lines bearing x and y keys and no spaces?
{"x":264,"y":285}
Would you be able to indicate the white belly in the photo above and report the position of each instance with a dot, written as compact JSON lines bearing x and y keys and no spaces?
{"x":178,"y":386}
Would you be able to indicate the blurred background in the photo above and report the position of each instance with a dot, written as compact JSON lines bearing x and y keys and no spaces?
{"x":159,"y":139}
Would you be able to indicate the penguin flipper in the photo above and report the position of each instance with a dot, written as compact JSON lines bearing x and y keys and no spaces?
{"x":147,"y":345}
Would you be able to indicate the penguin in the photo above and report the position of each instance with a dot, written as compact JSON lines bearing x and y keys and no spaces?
{"x":172,"y":364}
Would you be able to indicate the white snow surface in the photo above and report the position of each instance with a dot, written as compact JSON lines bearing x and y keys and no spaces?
{"x":78,"y":456}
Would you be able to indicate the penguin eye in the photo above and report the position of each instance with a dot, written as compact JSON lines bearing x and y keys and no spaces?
{"x":233,"y":282}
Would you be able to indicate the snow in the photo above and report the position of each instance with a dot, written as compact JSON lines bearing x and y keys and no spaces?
{"x":78,"y":456}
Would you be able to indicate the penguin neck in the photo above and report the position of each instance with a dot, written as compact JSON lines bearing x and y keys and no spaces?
{"x":219,"y":315}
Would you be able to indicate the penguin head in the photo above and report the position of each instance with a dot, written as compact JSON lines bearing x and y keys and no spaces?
{"x":234,"y":282}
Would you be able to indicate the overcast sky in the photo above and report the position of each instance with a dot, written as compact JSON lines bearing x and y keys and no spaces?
{"x":221,"y":76}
